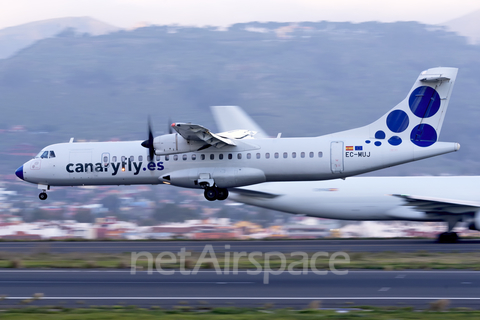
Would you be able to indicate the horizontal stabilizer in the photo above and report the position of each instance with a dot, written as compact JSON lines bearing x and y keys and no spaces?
{"x":434,"y":78}
{"x":439,"y":205}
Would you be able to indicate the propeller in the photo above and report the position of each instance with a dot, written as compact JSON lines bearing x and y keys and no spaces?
{"x":169,"y":125}
{"x":149,"y":143}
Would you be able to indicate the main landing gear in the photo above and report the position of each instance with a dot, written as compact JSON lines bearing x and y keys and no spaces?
{"x":449,"y":236}
{"x":214,"y":193}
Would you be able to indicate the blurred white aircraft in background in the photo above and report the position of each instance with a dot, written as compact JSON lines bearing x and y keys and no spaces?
{"x":448,"y":199}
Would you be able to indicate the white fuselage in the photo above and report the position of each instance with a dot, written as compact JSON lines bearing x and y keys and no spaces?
{"x":361,"y":198}
{"x":250,"y":161}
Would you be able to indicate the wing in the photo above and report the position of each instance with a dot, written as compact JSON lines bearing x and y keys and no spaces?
{"x":253,"y":193}
{"x":439,"y":205}
{"x":195,"y":132}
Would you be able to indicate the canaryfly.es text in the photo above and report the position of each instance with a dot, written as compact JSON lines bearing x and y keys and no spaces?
{"x":114,"y":167}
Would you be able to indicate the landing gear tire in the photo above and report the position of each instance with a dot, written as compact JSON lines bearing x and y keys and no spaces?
{"x":210,"y":194}
{"x":222,"y":193}
{"x":43,"y":196}
{"x":448,"y":237}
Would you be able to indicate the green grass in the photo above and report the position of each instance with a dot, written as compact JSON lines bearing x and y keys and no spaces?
{"x":117,"y":312}
{"x":358,"y":260}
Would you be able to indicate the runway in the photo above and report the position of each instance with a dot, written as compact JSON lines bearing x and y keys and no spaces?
{"x":120,"y":287}
{"x":356,"y":245}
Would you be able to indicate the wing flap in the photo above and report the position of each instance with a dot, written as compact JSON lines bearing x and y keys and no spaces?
{"x":253,"y":193}
{"x":197,"y":132}
{"x":439,"y":205}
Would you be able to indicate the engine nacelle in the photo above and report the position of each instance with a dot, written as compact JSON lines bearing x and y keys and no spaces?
{"x":174,"y":143}
{"x":475,"y":224}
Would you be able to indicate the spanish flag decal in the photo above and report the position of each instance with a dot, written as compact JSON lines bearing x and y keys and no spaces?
{"x":349,"y":148}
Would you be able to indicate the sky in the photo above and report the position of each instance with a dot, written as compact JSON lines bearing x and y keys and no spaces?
{"x":131,"y":13}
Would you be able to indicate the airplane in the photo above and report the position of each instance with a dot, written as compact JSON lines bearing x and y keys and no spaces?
{"x":194,"y":157}
{"x":450,"y":199}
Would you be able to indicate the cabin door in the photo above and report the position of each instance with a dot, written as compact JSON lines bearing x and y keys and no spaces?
{"x":336,"y":156}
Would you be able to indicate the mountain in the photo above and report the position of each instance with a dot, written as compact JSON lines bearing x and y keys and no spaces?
{"x":467,"y":26}
{"x":15,"y":38}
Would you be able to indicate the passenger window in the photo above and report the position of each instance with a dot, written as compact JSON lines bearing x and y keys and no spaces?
{"x":267,"y":155}
{"x":311,"y":154}
{"x":320,"y":154}
{"x":124,"y":158}
{"x":105,"y":159}
{"x":52,"y":154}
{"x":175,"y":157}
{"x":249,"y":155}
{"x":148,"y":158}
{"x":184,"y":157}
{"x":194,"y":156}
{"x":114,"y":159}
{"x":158,"y":158}
{"x":212,"y":156}
{"x":44,"y":155}
{"x":220,"y":156}
{"x":239,"y":156}
{"x":285,"y":155}
{"x":202,"y":156}
{"x":132,"y":158}
{"x":140,"y":158}
{"x":167,"y":157}
{"x":276,"y":155}
{"x":302,"y":155}
{"x":258,"y":155}
{"x":230,"y":156}
{"x":294,"y":155}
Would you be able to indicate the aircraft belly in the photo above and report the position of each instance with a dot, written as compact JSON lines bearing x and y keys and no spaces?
{"x":81,"y":181}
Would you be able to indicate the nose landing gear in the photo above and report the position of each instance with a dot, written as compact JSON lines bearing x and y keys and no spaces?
{"x":43,"y":194}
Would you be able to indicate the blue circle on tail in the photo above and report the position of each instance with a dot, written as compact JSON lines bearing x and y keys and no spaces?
{"x":397,"y":121}
{"x":379,"y":134}
{"x":424,"y":102}
{"x":423,"y":135}
{"x":395,"y":141}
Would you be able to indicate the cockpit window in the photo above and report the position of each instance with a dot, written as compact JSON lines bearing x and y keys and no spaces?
{"x":45,"y":154}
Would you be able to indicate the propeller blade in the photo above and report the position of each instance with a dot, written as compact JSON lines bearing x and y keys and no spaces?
{"x":149,"y":143}
{"x":169,"y":125}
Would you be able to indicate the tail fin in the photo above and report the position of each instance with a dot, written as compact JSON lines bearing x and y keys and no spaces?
{"x":419,"y":117}
{"x":230,"y":118}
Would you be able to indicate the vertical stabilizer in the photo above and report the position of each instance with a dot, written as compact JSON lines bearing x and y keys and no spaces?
{"x":230,"y":118}
{"x":419,"y":117}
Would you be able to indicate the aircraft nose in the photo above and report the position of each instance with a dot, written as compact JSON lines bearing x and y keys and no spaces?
{"x":19,"y":173}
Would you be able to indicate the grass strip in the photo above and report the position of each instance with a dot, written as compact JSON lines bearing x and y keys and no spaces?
{"x":358,"y":260}
{"x":185,"y":312}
